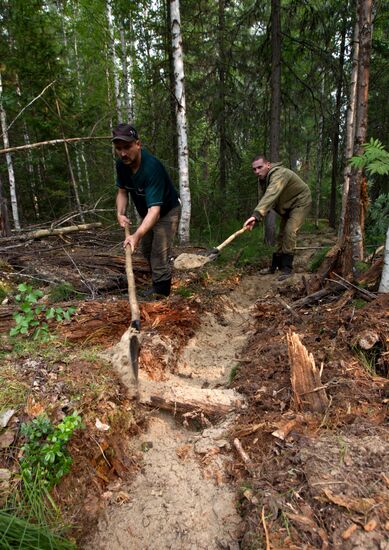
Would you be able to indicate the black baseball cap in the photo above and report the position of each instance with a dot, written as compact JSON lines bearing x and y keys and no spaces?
{"x":124,"y":132}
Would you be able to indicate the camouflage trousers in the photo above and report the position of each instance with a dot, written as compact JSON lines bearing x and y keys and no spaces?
{"x":291,"y":221}
{"x":157,"y":245}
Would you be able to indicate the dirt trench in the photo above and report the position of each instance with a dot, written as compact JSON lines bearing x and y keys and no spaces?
{"x":181,"y":498}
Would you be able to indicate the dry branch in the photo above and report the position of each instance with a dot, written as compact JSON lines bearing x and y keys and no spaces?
{"x":309,"y":393}
{"x":50,"y":142}
{"x":40,"y":233}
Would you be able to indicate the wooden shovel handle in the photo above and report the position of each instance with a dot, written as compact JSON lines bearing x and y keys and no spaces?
{"x":231,"y":238}
{"x":135,"y":312}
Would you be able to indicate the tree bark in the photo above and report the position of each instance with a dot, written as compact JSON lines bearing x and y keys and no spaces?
{"x":111,"y":30}
{"x":11,"y":173}
{"x":275,"y":109}
{"x":221,"y":112}
{"x":335,"y":135}
{"x":350,"y":131}
{"x":357,"y":205}
{"x":5,"y":229}
{"x":182,"y":133}
{"x":384,"y":284}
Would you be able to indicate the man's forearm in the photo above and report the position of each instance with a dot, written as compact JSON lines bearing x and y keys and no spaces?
{"x":121,"y":203}
{"x":149,"y":221}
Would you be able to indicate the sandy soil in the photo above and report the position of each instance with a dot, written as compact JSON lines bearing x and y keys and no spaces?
{"x":182,"y":498}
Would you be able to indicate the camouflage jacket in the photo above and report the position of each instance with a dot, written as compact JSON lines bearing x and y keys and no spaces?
{"x":283,"y":190}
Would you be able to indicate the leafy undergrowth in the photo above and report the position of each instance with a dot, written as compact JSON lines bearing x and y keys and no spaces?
{"x":315,"y":481}
{"x":57,"y":380}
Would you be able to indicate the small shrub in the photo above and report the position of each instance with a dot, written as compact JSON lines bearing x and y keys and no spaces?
{"x":45,"y":456}
{"x":32,"y":316}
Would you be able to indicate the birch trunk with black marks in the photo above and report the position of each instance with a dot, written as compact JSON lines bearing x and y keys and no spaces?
{"x":111,"y":30}
{"x":179,"y":92}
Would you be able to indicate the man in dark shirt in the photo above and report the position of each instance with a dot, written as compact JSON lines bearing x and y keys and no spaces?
{"x":146,"y":180}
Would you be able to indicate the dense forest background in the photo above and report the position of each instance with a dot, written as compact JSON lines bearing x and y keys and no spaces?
{"x":75,"y":68}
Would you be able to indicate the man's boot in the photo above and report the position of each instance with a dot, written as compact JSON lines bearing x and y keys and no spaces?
{"x":275,"y":264}
{"x":286,"y":266}
{"x":163,"y":287}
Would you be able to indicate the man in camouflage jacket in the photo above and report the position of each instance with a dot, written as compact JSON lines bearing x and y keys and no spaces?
{"x":287,"y":194}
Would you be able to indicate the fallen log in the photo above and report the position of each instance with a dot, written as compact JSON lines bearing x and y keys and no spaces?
{"x":40,"y":233}
{"x":309,"y":392}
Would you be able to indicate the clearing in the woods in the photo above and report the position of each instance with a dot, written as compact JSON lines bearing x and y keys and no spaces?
{"x":220,"y":447}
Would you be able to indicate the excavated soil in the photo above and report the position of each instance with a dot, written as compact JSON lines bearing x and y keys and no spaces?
{"x":182,"y":498}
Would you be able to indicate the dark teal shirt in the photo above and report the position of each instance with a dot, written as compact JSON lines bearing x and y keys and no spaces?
{"x":150,"y":186}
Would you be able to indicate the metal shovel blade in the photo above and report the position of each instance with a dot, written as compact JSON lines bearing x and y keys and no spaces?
{"x":134,"y":348}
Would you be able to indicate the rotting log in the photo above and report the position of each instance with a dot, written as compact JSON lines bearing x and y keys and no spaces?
{"x":309,"y":393}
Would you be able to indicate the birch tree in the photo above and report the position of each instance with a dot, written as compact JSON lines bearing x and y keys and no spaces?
{"x":111,"y":30}
{"x":182,"y":134}
{"x":10,"y":168}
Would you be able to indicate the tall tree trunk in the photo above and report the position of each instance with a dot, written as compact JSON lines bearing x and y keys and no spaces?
{"x":70,"y":168}
{"x":8,"y":157}
{"x":319,"y":156}
{"x":221,"y":112}
{"x":350,"y":130}
{"x":356,"y":204}
{"x":126,"y":80}
{"x":111,"y":30}
{"x":172,"y":103}
{"x":81,"y":104}
{"x":5,"y":230}
{"x":183,"y":155}
{"x":275,"y":109}
{"x":30,"y":166}
{"x":335,"y":135}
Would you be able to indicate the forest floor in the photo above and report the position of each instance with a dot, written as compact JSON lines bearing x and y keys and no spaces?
{"x":167,"y":473}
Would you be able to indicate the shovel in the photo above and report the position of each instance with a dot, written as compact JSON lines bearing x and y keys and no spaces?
{"x":192,"y":261}
{"x":134,"y":340}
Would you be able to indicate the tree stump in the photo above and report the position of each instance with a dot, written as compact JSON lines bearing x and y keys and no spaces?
{"x":309,"y":394}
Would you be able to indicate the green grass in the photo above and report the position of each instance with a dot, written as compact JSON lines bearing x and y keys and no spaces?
{"x":19,"y":533}
{"x":185,"y":292}
{"x":233,"y":373}
{"x":91,"y":354}
{"x":13,"y":391}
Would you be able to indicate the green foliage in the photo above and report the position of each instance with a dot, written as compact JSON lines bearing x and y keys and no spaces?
{"x":29,"y":320}
{"x":44,"y":454}
{"x":374,"y":160}
{"x":377,"y":221}
{"x":62,"y":292}
{"x":318,"y":259}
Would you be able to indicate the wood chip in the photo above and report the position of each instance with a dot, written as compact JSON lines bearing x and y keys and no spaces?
{"x":370,"y":525}
{"x":349,"y":531}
